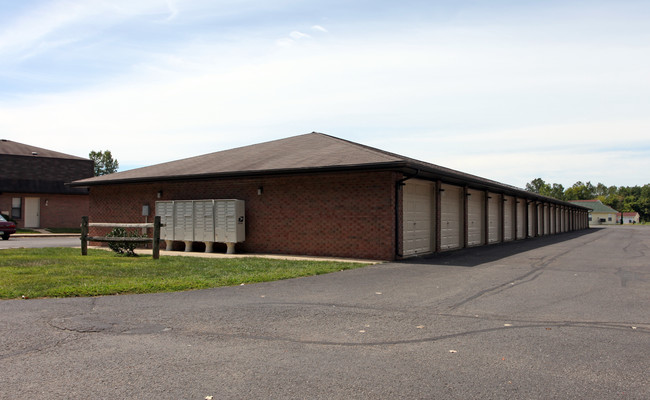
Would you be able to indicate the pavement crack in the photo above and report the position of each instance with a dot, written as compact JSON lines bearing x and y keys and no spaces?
{"x":534,"y":273}
{"x":526,"y":278}
{"x":431,"y":339}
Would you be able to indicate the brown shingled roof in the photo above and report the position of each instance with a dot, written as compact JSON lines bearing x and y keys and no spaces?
{"x":312,"y":152}
{"x":11,"y":148}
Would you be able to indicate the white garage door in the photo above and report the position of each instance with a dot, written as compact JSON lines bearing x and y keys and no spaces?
{"x":418,"y":217}
{"x":508,"y":217}
{"x":547,"y":220}
{"x":451,"y":210}
{"x":552,"y":217}
{"x":494,"y":218}
{"x":531,"y":219}
{"x":521,"y":219}
{"x":475,"y":217}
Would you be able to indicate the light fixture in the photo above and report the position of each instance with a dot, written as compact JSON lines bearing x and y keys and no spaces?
{"x":159,"y":194}
{"x":260,"y":190}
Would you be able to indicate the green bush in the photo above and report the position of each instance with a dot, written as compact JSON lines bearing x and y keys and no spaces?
{"x":125,"y":248}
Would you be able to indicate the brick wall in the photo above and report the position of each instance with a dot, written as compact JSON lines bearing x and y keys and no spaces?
{"x":337,"y":214}
{"x":63,"y":211}
{"x":56,"y":210}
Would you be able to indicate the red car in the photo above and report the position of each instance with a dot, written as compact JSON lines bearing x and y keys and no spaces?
{"x":6,"y":228}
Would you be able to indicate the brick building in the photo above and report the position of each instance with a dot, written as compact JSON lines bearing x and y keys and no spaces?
{"x":315,"y":194}
{"x":34,"y":188}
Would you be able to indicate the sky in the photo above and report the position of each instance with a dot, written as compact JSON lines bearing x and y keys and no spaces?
{"x":508,"y":90}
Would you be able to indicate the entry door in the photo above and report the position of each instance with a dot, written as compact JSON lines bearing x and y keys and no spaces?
{"x":32,"y":212}
{"x":418,"y":217}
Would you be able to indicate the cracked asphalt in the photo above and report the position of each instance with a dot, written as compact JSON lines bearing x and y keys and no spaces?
{"x":564,"y":317}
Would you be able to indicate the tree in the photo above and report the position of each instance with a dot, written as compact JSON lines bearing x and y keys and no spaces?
{"x":546,"y":189}
{"x":557,"y":191}
{"x":538,"y":186}
{"x":580,"y":191}
{"x":104,"y":162}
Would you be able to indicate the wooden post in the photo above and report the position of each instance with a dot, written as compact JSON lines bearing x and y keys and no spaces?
{"x":84,"y":236}
{"x":156,"y":237}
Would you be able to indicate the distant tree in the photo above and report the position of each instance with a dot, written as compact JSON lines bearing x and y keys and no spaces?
{"x":557,"y":191}
{"x":580,"y":191}
{"x":104,"y":162}
{"x":538,"y":186}
{"x":622,"y":199}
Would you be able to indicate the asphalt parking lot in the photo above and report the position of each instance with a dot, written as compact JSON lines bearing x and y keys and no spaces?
{"x":564,"y":317}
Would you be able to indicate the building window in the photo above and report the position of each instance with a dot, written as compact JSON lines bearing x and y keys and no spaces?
{"x":590,"y":218}
{"x":609,"y":219}
{"x":16,"y":208}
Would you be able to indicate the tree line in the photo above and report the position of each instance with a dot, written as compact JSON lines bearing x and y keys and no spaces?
{"x":621,"y":198}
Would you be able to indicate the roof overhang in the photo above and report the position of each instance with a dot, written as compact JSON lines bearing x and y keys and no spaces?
{"x":409,"y":169}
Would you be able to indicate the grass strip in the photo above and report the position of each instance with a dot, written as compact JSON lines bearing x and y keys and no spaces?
{"x":63,"y":272}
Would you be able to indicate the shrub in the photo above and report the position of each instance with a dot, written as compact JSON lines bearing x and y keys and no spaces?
{"x":125,"y":248}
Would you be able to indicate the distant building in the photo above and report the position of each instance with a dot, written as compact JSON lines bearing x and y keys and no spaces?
{"x":600,"y":213}
{"x":628,"y":218}
{"x":34,"y":187}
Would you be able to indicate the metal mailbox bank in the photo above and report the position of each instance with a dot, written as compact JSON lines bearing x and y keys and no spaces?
{"x":208,"y":221}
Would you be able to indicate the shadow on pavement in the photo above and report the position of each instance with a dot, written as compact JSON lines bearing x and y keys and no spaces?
{"x":473,"y":256}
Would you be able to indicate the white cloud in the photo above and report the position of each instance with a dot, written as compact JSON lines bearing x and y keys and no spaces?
{"x":297,"y":35}
{"x":63,"y":21}
{"x":173,"y":10}
{"x":490,"y":101}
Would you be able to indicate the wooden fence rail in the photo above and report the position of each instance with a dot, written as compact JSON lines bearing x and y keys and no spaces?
{"x":85,"y":238}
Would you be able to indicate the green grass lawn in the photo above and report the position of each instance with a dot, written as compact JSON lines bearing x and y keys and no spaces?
{"x":64,"y":230}
{"x":23,"y":230}
{"x":51,"y":230}
{"x":63,"y":272}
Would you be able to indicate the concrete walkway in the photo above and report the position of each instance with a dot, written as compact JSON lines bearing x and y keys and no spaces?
{"x":165,"y":253}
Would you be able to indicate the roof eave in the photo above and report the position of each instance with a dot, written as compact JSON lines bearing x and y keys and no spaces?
{"x":393,"y":165}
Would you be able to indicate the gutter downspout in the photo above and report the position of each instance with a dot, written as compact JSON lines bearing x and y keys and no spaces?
{"x":398,"y":186}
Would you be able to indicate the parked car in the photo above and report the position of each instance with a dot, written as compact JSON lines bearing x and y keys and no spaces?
{"x":6,"y":227}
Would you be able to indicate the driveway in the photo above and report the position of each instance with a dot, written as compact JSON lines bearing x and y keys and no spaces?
{"x":552,"y":318}
{"x":40,"y":241}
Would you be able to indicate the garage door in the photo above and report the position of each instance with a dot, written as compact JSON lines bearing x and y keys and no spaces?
{"x":521,"y":219}
{"x":508,"y":217}
{"x":531,"y":219}
{"x":547,"y":220}
{"x":475,"y":217}
{"x":494,"y":218}
{"x":451,"y":216}
{"x":418,"y":217}
{"x":552,"y":215}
